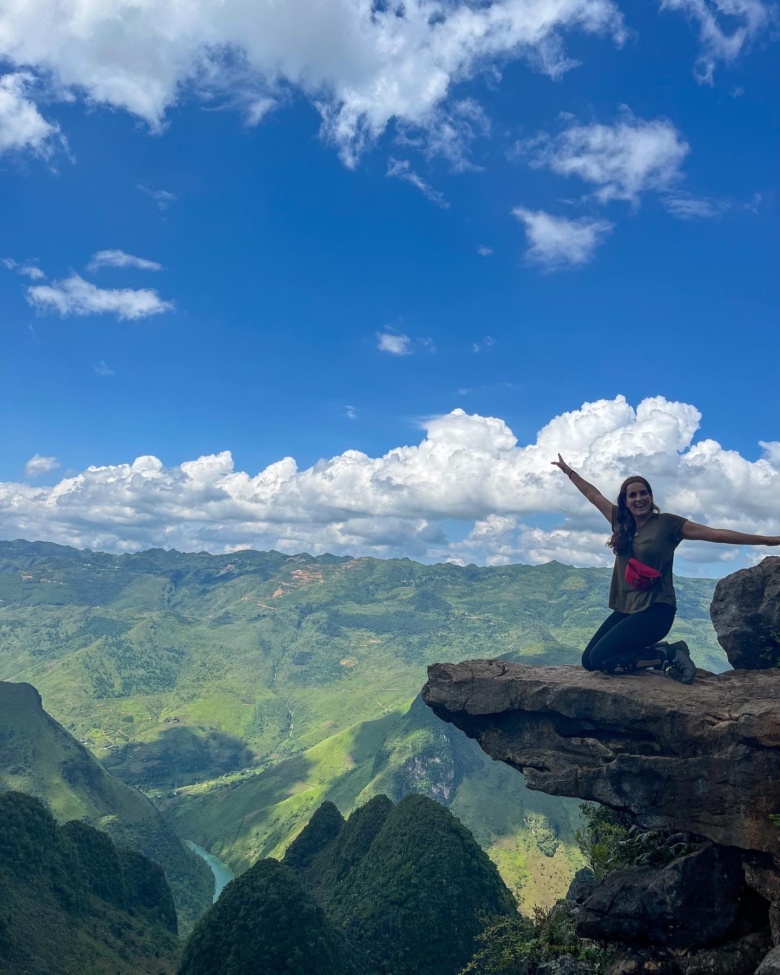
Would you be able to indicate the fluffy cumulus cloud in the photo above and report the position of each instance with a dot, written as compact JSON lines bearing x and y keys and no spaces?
{"x":394,"y":343}
{"x":621,"y":161}
{"x":75,"y":296}
{"x":558,"y":242}
{"x":509,"y":501}
{"x":21,"y":124}
{"x":362,"y":64}
{"x":40,"y":465}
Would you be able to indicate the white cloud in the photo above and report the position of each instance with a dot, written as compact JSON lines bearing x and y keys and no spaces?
{"x":487,"y":342}
{"x":116,"y":258}
{"x":75,"y":296}
{"x":163,"y":198}
{"x":22,"y":127}
{"x":726,"y":27}
{"x":393,"y":343}
{"x":557,"y":242}
{"x":360,"y":63}
{"x":449,"y":133}
{"x":771,"y":450}
{"x":402,"y":169}
{"x":484,"y":251}
{"x":39,"y":465}
{"x":26,"y":270}
{"x":467,"y":468}
{"x":621,"y":160}
{"x":103,"y":369}
{"x":351,"y":412}
{"x":689,"y":208}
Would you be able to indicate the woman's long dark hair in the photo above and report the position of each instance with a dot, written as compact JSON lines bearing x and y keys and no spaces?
{"x":625,"y":527}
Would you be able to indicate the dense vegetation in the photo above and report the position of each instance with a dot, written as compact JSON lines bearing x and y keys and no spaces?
{"x":241,"y":691}
{"x":266,"y":924}
{"x":396,"y":890}
{"x":38,"y":757}
{"x":411,"y":885}
{"x":70,"y":901}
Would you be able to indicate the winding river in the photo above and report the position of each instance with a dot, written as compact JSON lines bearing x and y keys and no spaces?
{"x":222,"y":872}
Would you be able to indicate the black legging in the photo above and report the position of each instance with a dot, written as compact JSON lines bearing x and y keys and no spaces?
{"x":622,"y":634}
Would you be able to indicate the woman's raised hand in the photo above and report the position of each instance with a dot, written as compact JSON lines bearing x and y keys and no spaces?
{"x":563,"y":465}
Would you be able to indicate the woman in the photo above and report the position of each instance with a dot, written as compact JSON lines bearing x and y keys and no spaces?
{"x":641,"y":596}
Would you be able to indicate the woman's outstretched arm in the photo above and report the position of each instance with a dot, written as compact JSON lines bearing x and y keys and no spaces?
{"x":703,"y":533}
{"x":592,"y":493}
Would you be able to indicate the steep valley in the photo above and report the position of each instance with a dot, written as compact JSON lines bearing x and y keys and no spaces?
{"x":240,"y":691}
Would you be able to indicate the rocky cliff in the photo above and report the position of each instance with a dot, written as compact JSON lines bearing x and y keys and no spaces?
{"x":701,"y":759}
{"x":704,"y":759}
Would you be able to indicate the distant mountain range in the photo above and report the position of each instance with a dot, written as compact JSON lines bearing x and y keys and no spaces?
{"x":241,"y":691}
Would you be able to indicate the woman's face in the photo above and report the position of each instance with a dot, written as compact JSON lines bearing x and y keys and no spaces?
{"x":639,"y":500}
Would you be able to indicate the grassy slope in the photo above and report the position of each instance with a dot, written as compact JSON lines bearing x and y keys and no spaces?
{"x":180,"y":670}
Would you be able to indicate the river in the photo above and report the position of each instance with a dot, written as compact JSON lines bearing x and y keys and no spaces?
{"x":222,"y":872}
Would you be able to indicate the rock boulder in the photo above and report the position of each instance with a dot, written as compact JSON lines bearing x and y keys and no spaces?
{"x":745,"y":612}
{"x":771,"y":963}
{"x":692,"y":902}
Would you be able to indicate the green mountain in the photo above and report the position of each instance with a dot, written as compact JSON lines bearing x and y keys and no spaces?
{"x":39,"y":758}
{"x":70,"y":901}
{"x":395,"y":890}
{"x":241,"y":691}
{"x":266,"y":924}
{"x":408,"y":884}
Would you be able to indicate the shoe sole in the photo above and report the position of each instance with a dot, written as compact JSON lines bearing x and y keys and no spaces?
{"x":650,"y":663}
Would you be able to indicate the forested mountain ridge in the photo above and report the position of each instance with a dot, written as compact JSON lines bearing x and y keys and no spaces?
{"x":39,"y":758}
{"x":395,"y":890}
{"x":249,"y":687}
{"x":70,"y":901}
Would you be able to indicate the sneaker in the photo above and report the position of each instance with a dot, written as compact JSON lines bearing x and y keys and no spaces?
{"x":619,"y":665}
{"x":679,"y":665}
{"x":651,"y":658}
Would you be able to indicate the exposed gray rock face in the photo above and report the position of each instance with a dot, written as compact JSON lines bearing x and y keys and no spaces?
{"x":745,"y":612}
{"x":771,"y":963}
{"x":692,"y":902}
{"x":737,"y":957}
{"x":703,"y":759}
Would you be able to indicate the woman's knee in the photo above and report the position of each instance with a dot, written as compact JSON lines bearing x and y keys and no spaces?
{"x":586,"y":661}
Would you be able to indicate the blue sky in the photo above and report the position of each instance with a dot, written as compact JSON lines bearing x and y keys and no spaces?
{"x":392,"y":247}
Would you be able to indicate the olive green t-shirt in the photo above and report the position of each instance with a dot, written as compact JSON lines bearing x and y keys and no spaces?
{"x":654,"y":544}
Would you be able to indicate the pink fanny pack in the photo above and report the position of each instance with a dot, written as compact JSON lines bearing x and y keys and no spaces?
{"x":641,"y":576}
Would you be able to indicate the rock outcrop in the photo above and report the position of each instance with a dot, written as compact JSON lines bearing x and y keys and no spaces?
{"x":745,"y":612}
{"x":703,"y":759}
{"x":692,"y":902}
